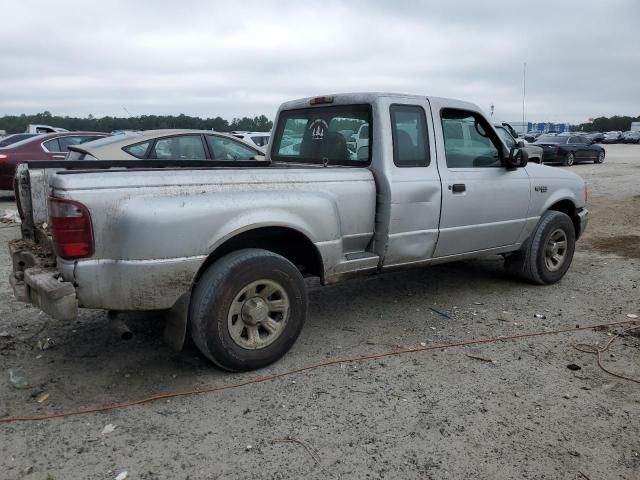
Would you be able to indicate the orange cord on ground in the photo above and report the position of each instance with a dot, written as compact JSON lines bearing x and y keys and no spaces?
{"x":266,"y":378}
{"x":584,"y":347}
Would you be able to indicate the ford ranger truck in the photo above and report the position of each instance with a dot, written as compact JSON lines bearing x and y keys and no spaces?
{"x":223,"y":248}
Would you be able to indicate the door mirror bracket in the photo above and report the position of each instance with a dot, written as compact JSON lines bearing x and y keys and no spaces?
{"x":517,"y":158}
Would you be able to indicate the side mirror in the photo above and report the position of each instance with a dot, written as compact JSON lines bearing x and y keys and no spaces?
{"x":518,"y":158}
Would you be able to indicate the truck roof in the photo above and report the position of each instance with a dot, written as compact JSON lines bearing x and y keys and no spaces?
{"x":372,"y":97}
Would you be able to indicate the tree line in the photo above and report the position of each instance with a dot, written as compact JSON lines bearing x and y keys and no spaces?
{"x":18,"y":123}
{"x":608,"y":124}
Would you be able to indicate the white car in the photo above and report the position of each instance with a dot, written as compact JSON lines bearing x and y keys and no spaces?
{"x":33,"y":128}
{"x":257,"y":139}
{"x":170,"y":144}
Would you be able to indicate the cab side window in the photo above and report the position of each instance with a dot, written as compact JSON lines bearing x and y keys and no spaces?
{"x":467,"y":140}
{"x":409,"y":131}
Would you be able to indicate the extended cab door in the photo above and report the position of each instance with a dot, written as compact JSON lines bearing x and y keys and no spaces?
{"x":484,"y":205}
{"x":408,"y":183}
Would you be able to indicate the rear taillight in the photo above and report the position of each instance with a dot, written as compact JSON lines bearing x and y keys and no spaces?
{"x":4,"y":157}
{"x":71,"y":228}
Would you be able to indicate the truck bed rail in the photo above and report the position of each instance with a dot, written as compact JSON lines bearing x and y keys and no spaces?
{"x":88,"y":165}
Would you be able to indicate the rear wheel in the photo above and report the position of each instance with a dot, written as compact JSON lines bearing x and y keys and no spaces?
{"x":547,"y":254}
{"x":600,"y":158}
{"x":248,"y":309}
{"x":569,"y":159}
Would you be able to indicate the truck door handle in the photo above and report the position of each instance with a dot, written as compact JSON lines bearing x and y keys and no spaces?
{"x":458,"y":187}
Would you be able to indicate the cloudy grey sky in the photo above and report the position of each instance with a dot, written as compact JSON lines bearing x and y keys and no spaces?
{"x":211,"y":58}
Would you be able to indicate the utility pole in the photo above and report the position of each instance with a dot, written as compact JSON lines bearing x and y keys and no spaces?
{"x":524,"y":93}
{"x":492,"y":106}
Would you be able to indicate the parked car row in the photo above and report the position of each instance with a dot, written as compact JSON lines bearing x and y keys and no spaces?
{"x":594,"y":137}
{"x":615,"y":136}
{"x":151,"y":144}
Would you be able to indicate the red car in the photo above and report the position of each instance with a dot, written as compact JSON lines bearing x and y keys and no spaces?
{"x":52,"y":146}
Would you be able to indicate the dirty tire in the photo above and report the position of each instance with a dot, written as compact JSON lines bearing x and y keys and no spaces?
{"x":600,"y":158}
{"x":569,"y":159}
{"x":530,"y":263}
{"x":217,"y":290}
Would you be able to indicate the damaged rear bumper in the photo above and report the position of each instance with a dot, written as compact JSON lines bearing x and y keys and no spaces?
{"x":36,"y":281}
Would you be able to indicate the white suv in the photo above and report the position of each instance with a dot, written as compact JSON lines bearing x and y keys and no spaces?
{"x":259,"y":139}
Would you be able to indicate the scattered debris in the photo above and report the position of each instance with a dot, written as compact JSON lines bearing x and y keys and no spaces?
{"x":517,"y":394}
{"x":44,"y":343}
{"x":5,"y":334}
{"x":483,"y":359}
{"x":109,"y":428}
{"x":423,"y":344}
{"x":17,"y":379}
{"x":10,"y":216}
{"x":540,"y":316}
{"x":632,"y":315}
{"x":122,"y":475}
{"x":567,"y":396}
{"x":43,"y":398}
{"x":574,"y":367}
{"x":309,"y":450}
{"x":248,"y":448}
{"x":478,"y":303}
{"x":440,"y":313}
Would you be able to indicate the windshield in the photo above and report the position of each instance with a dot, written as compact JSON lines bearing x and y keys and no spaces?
{"x":317,"y":135}
{"x":551,"y":139}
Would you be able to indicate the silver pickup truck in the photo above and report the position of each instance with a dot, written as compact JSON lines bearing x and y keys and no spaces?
{"x":223,"y":248}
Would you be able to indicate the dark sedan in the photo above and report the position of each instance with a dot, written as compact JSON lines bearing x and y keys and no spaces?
{"x":52,"y":146}
{"x":569,"y":149}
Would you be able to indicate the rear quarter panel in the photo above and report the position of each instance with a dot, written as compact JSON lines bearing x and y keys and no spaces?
{"x":178,"y":218}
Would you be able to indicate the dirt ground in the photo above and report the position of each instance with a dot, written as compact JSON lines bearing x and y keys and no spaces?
{"x":503,"y":410}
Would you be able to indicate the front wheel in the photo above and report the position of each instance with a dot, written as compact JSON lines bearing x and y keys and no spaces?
{"x":569,"y":159}
{"x":547,"y":254}
{"x":600,"y":158}
{"x":248,"y":309}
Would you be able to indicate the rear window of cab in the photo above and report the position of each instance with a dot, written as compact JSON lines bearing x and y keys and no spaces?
{"x":323,"y":135}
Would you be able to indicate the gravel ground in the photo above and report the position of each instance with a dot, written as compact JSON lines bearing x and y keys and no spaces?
{"x":503,"y":410}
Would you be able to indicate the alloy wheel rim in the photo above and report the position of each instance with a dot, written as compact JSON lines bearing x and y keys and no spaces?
{"x":258,"y":314}
{"x":570,"y":159}
{"x":555,"y":252}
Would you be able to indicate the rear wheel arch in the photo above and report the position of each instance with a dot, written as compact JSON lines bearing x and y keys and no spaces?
{"x":285,"y":241}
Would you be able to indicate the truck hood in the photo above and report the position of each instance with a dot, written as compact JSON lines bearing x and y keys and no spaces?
{"x":536,"y":171}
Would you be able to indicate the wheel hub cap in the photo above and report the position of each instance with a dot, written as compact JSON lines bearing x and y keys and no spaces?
{"x":258,"y":314}
{"x":556,"y":250}
{"x":254,"y":311}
